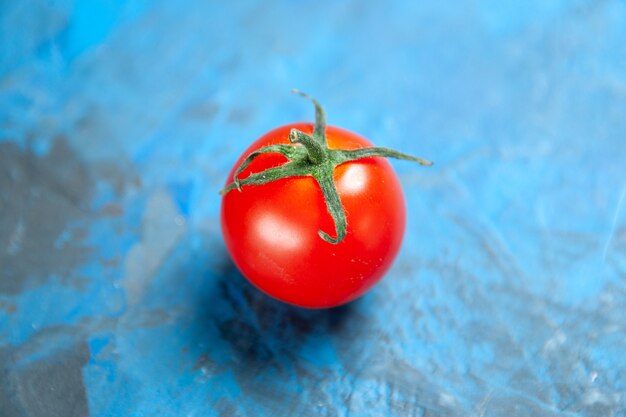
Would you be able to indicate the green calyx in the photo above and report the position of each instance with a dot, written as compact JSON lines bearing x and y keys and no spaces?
{"x":309,"y":156}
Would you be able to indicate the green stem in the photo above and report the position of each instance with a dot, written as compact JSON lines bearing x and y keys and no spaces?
{"x":317,"y":153}
{"x":291,"y":152}
{"x":341,"y":156}
{"x":310,"y":156}
{"x":324,"y":178}
{"x":289,"y":170}
{"x":319,"y":133}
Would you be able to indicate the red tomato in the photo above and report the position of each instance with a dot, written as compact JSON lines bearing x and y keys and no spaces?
{"x":271,"y":230}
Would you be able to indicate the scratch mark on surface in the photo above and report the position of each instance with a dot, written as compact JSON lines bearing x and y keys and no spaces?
{"x":160,"y":233}
{"x":15,"y":242}
{"x":618,"y":210}
{"x":482,"y":407}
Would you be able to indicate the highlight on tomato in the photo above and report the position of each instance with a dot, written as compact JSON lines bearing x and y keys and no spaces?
{"x":314,"y":215}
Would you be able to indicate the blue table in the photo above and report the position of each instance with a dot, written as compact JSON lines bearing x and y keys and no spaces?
{"x":119,"y":121}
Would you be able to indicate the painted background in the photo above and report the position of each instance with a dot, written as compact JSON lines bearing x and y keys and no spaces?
{"x":118,"y":122}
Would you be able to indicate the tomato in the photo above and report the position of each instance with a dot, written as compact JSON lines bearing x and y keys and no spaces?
{"x":271,"y":229}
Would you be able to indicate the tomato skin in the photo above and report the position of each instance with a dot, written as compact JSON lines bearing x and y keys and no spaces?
{"x":271,"y":230}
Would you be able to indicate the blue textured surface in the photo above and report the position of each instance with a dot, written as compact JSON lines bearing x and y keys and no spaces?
{"x":118,"y":122}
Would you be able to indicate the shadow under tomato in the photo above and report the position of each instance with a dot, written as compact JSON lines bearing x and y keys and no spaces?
{"x":261,"y":331}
